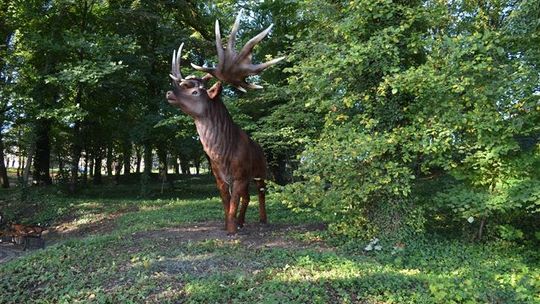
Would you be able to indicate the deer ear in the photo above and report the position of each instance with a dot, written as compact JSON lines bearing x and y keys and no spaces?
{"x":215,"y":90}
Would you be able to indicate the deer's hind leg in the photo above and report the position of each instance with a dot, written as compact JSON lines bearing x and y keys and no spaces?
{"x":238,"y":187}
{"x":261,"y":190}
{"x":244,"y":195}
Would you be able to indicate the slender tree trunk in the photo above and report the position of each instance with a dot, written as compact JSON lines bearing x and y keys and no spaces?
{"x":127,"y":157}
{"x":26,"y":174}
{"x":20,"y":166}
{"x":75,"y":152}
{"x":117,"y":169}
{"x":61,"y":171}
{"x":4,"y":180}
{"x":184,"y":165}
{"x":138,"y":161}
{"x":176,"y":166}
{"x":85,"y":170}
{"x":91,"y":167}
{"x":42,"y":158}
{"x":197,"y":166}
{"x":147,"y":159}
{"x":162,"y":155}
{"x":97,"y":169}
{"x":145,"y":176}
{"x":110,"y":160}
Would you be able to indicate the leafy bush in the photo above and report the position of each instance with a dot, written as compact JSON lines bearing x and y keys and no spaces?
{"x":409,"y":91}
{"x":370,"y":195}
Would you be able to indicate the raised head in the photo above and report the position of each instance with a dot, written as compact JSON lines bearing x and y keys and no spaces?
{"x":190,"y":93}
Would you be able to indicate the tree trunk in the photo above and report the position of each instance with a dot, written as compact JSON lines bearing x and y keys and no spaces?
{"x":117,"y":169}
{"x":162,"y":155}
{"x":138,"y":161}
{"x":163,"y":169}
{"x":85,"y":170}
{"x":145,"y":177}
{"x":91,"y":167}
{"x":97,"y":169}
{"x":42,"y":158}
{"x":26,"y":174}
{"x":147,"y":159}
{"x":75,"y":152}
{"x":110,"y":160}
{"x":176,"y":166}
{"x":197,"y":163}
{"x":184,"y":165}
{"x":20,"y":166}
{"x":4,"y":181}
{"x":60,"y":168}
{"x":127,"y":158}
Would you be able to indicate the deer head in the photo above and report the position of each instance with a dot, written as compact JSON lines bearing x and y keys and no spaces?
{"x":190,"y":93}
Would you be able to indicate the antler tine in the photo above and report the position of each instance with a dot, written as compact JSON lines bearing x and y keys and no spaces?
{"x":175,"y":64}
{"x":173,"y":74}
{"x":259,"y":67}
{"x":172,"y":61}
{"x":178,"y":60}
{"x":246,"y":50}
{"x":203,"y":69}
{"x":232,"y":36}
{"x":253,"y":86}
{"x":219,"y":47}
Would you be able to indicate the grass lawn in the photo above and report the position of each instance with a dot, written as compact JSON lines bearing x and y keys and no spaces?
{"x":109,"y":246}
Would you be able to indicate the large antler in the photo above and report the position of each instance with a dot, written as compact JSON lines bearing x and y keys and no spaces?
{"x":234,"y":67}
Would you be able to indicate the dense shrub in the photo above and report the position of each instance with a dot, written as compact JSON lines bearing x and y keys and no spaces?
{"x":414,"y":91}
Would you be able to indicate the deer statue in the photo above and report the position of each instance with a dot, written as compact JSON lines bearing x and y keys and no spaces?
{"x":235,"y":158}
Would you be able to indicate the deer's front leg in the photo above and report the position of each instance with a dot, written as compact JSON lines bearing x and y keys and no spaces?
{"x":238,"y":186}
{"x":225,"y":197}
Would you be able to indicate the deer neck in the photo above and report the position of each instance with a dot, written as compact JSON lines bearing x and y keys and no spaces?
{"x":217,"y":132}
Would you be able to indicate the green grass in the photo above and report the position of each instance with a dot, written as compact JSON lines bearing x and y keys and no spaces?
{"x":132,"y":263}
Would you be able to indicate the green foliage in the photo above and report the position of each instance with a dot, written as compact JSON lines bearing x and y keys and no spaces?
{"x":411,"y":90}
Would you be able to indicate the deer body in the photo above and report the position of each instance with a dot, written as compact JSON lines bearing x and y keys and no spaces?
{"x":235,"y":158}
{"x":230,"y":149}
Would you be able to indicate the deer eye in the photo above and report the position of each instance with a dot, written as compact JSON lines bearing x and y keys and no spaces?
{"x":196,"y":93}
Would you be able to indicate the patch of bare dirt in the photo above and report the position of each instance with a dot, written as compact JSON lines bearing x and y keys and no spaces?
{"x":74,"y":228}
{"x":250,"y":240}
{"x":253,"y":235}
